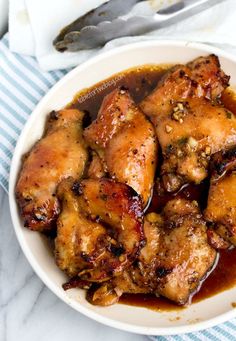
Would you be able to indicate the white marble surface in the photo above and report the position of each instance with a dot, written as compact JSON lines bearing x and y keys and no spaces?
{"x":29,"y":310}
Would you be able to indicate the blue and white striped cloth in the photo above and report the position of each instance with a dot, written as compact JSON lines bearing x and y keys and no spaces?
{"x":22,"y":85}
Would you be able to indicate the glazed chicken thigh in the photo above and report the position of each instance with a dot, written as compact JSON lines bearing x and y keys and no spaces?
{"x":206,"y":129}
{"x":173,"y":262}
{"x":221,"y":206}
{"x":80,"y":242}
{"x":190,"y":123}
{"x":100,"y":228}
{"x":202,"y":77}
{"x":125,"y":140}
{"x":185,"y":255}
{"x":61,"y":153}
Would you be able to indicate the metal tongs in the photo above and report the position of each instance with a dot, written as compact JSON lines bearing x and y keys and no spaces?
{"x":121,"y":18}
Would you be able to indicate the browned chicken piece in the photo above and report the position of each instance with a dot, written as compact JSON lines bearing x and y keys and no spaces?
{"x":109,"y":293}
{"x":140,"y":277}
{"x":176,"y":258}
{"x":131,"y":280}
{"x":202,"y":77}
{"x":211,"y":79}
{"x":100,"y":228}
{"x":206,"y":129}
{"x":216,"y":241}
{"x":59,"y":154}
{"x":80,"y":242}
{"x":221,"y":206}
{"x":186,"y":257}
{"x":189,"y":125}
{"x":125,"y":140}
{"x":95,"y":170}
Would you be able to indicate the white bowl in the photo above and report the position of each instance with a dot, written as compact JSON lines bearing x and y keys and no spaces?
{"x":204,"y":314}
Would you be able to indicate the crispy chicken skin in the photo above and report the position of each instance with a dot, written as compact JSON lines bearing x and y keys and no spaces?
{"x":59,"y":154}
{"x":190,"y":123}
{"x":221,"y":206}
{"x":175,"y":259}
{"x":125,"y":140}
{"x":100,"y":230}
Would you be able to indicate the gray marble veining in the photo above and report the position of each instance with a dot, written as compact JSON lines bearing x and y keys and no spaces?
{"x":29,"y":310}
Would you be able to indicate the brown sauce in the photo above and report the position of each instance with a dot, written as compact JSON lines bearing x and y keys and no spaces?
{"x":223,"y":277}
{"x":140,"y":82}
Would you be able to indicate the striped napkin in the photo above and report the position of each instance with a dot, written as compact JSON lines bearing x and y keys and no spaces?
{"x":22,"y":85}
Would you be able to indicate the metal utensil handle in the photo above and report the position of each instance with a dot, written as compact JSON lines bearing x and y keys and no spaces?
{"x":95,"y":36}
{"x":168,"y":16}
{"x":182,"y":10}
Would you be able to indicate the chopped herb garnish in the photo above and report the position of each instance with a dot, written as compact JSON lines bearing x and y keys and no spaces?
{"x":228,"y":114}
{"x":183,"y":140}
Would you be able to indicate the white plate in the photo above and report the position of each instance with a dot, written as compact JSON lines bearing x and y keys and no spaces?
{"x":198,"y":316}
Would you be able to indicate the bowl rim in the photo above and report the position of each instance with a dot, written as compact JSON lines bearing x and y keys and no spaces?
{"x":200,"y":325}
